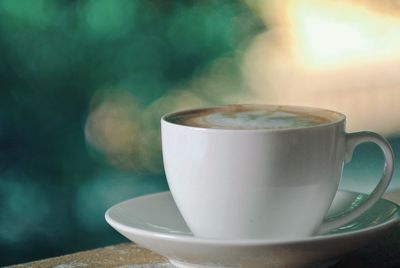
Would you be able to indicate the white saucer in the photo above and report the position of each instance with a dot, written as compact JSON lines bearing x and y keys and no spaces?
{"x":153,"y":221}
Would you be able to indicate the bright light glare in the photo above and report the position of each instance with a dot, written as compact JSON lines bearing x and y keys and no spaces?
{"x":327,"y":33}
{"x":342,"y":55}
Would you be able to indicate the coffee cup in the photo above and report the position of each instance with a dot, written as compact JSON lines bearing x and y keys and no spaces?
{"x":262,"y":171}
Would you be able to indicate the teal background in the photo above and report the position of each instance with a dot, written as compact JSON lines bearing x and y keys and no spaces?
{"x":62,"y":62}
{"x":58,"y":60}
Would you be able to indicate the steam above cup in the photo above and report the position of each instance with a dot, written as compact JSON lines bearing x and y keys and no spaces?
{"x":261,"y":171}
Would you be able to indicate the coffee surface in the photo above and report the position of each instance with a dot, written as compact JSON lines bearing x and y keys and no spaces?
{"x":254,"y":117}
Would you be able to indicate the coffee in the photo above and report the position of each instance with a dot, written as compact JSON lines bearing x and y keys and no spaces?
{"x":254,"y":117}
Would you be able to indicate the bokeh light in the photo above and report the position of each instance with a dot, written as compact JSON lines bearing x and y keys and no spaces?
{"x":106,"y":189}
{"x":113,"y":127}
{"x":22,"y":216}
{"x":37,"y":15}
{"x":206,"y":28}
{"x":108,"y":19}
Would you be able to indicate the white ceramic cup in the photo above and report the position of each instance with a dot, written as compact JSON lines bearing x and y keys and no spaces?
{"x":263,"y":183}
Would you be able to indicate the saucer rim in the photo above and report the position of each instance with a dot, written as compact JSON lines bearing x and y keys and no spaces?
{"x":395,"y":219}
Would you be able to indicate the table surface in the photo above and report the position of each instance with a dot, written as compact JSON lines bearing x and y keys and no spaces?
{"x":384,"y":253}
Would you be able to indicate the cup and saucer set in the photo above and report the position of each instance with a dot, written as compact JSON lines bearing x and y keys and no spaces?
{"x":257,"y":186}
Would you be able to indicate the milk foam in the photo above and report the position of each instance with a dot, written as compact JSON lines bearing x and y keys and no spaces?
{"x":257,"y":119}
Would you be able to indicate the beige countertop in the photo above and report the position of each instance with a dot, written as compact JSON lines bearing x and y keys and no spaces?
{"x":122,"y":255}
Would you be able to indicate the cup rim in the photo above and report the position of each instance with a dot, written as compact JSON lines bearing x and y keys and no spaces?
{"x":340,"y":118}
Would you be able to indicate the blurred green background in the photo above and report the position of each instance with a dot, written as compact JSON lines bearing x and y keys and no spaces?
{"x":107,"y":69}
{"x":83,"y":86}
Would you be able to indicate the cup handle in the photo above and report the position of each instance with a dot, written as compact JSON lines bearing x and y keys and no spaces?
{"x":352,"y":141}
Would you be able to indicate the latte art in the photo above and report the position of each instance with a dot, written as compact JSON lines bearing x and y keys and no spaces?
{"x":253,"y":117}
{"x":255,"y":120}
